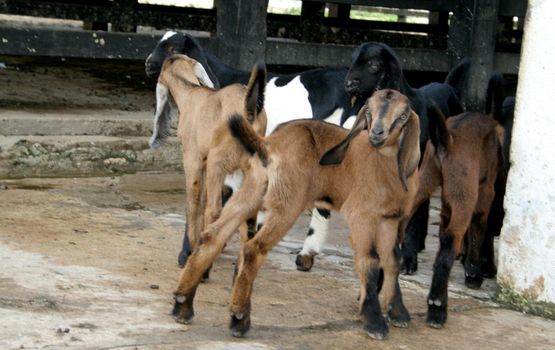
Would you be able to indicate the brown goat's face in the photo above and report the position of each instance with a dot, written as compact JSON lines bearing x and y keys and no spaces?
{"x":388,"y":112}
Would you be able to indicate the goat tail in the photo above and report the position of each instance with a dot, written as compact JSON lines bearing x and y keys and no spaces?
{"x":457,"y":76}
{"x":494,"y":97}
{"x":253,"y":143}
{"x":439,"y":133}
{"x":254,"y":100}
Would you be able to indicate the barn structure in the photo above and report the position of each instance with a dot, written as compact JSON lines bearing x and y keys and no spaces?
{"x":490,"y":32}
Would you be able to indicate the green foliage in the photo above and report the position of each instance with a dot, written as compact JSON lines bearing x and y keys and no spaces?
{"x":513,"y":300}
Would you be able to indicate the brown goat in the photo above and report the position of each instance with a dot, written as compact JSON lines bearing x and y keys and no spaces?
{"x":463,"y":156}
{"x":210,"y":152}
{"x":287,"y":177}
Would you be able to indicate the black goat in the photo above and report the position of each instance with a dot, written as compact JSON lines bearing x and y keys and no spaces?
{"x":497,"y":212}
{"x":376,"y":66}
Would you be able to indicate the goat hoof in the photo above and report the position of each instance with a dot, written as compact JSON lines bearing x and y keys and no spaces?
{"x":183,"y":309}
{"x":377,"y":335}
{"x":488,"y":271}
{"x":409,"y":269}
{"x":437,"y":314}
{"x":473,"y":282}
{"x":376,"y":328}
{"x":410,"y":265}
{"x":400,"y":321}
{"x":304,"y":262}
{"x":239,"y":324}
{"x":399,"y":324}
{"x":434,"y":325}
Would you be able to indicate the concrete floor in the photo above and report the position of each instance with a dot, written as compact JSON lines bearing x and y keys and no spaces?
{"x":90,"y":263}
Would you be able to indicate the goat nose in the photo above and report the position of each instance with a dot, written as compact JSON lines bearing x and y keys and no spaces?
{"x":352,"y":83}
{"x":377,"y":131}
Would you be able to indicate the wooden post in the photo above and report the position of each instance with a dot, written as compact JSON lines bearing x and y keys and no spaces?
{"x":241,"y":32}
{"x":126,"y":11}
{"x":340,"y":11}
{"x":312,"y":21}
{"x":460,"y":31}
{"x":482,"y":49}
{"x":460,"y":35}
{"x":344,"y":11}
{"x":441,"y":22}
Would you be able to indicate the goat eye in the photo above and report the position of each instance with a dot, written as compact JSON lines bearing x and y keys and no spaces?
{"x":404,"y":116}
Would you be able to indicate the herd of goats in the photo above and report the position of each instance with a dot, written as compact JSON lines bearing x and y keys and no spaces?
{"x":260,"y":149}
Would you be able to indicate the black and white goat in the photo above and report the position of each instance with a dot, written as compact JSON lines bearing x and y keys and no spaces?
{"x":314,"y":94}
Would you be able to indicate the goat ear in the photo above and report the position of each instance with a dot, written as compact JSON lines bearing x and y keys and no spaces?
{"x":336,"y":154}
{"x":202,"y":76}
{"x":162,"y":117}
{"x":393,"y":72}
{"x":408,"y":156}
{"x":192,"y":48}
{"x":439,"y":134}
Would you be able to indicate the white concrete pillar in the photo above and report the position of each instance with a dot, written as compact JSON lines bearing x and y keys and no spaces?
{"x":527,"y":241}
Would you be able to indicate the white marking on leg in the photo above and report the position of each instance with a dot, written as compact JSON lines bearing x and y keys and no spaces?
{"x":335,"y":117}
{"x":168,"y":35}
{"x":285,"y":103}
{"x":260,"y":218}
{"x":234,"y":180}
{"x":314,"y":244}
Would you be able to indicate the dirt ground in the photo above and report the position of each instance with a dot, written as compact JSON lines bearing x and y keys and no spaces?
{"x":90,"y":263}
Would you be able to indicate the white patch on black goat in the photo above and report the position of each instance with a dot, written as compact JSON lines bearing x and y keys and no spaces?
{"x":314,"y":244}
{"x":335,"y":117}
{"x":168,"y":35}
{"x":349,"y":122}
{"x":285,"y":103}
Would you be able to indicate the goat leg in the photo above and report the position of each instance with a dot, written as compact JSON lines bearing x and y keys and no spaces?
{"x":367,"y":264}
{"x":316,"y":237}
{"x":487,"y":265}
{"x":252,"y":256}
{"x":472,"y":264}
{"x":437,"y":298}
{"x":415,"y":235}
{"x":396,"y":310}
{"x":186,"y":249}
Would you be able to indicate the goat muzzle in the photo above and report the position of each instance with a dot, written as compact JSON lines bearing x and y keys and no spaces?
{"x":152,"y":69}
{"x":352,"y":86}
{"x":376,"y":141}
